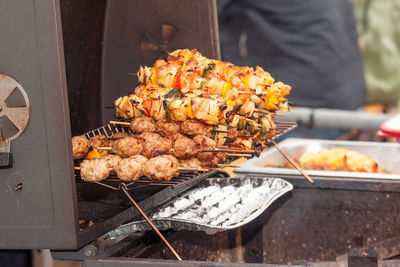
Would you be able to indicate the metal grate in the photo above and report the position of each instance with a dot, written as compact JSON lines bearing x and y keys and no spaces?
{"x":184,"y":176}
{"x":283,"y":128}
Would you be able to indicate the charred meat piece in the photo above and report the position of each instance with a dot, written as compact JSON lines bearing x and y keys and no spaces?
{"x":185,"y":148}
{"x":131,"y":169}
{"x":116,"y":136}
{"x":166,"y":127}
{"x":112,"y":161}
{"x":192,"y":163}
{"x":155,"y":149}
{"x":94,"y":170}
{"x":128,"y":146}
{"x":210,"y":163}
{"x":149,"y":137}
{"x":205,"y":143}
{"x":193,"y":127}
{"x":80,"y":146}
{"x":99,"y":141}
{"x":143,"y":124}
{"x":160,"y":168}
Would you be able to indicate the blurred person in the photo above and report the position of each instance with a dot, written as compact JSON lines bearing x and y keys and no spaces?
{"x":310,"y":45}
{"x":377,"y":22}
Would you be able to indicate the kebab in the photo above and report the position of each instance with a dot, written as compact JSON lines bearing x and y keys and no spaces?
{"x":127,"y":169}
{"x":189,"y":86}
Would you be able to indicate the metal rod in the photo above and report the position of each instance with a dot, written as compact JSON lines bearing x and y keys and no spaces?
{"x":229,"y":151}
{"x":292,"y":162}
{"x":124,"y":189}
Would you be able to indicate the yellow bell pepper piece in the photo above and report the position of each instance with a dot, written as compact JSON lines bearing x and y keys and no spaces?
{"x":230,"y":103}
{"x":225,"y":88}
{"x":188,"y":109}
{"x":94,"y":154}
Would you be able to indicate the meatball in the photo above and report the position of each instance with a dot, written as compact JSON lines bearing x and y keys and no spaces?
{"x":160,"y":168}
{"x":131,"y":169}
{"x":155,"y":149}
{"x":193,"y":127}
{"x":166,"y":127}
{"x":143,"y":124}
{"x":80,"y":146}
{"x":185,"y":148}
{"x":116,"y":137}
{"x":173,"y":137}
{"x":99,"y":141}
{"x":112,"y":161}
{"x":192,"y":163}
{"x":173,"y":159}
{"x":94,"y":170}
{"x":119,"y":135}
{"x":213,"y":162}
{"x":128,"y":146}
{"x":149,"y":137}
{"x":205,"y":143}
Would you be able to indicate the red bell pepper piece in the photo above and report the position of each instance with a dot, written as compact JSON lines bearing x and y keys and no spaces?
{"x":177,"y":82}
{"x":147,"y":104}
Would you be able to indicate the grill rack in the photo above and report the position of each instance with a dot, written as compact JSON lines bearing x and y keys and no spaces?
{"x":184,"y":176}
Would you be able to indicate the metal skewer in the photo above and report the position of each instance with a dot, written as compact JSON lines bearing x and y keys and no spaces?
{"x":292,"y":161}
{"x":124,"y":189}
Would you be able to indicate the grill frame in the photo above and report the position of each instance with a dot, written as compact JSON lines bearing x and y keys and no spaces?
{"x":185,"y":176}
{"x":169,"y":190}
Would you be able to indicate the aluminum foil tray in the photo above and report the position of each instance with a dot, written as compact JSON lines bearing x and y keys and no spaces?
{"x":215,"y":204}
{"x":270,"y":162}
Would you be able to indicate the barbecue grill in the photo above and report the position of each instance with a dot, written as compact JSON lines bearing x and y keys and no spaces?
{"x":92,"y":51}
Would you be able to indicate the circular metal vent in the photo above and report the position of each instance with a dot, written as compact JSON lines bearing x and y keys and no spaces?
{"x":14,"y":108}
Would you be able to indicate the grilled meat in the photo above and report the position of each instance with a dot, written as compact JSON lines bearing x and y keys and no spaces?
{"x":193,"y":127}
{"x":80,"y":146}
{"x":128,"y":146}
{"x":161,"y":168}
{"x":155,"y":149}
{"x":166,"y":127}
{"x":131,"y":169}
{"x":143,"y":124}
{"x":338,"y":159}
{"x":205,"y":144}
{"x":192,"y":163}
{"x":94,"y":170}
{"x":185,"y":148}
{"x":149,"y":137}
{"x":112,"y":161}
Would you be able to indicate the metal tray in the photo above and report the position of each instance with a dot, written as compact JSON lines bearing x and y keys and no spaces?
{"x":215,"y":204}
{"x":270,"y":162}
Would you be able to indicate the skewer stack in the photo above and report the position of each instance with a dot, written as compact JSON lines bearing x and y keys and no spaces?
{"x":187,"y":112}
{"x":237,"y":105}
